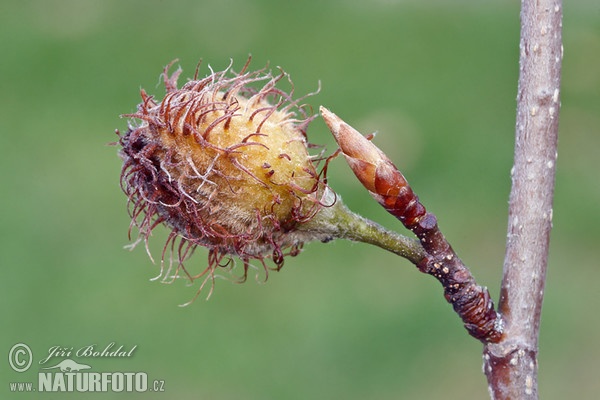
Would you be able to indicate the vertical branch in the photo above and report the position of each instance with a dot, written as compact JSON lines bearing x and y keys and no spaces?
{"x":511,"y":365}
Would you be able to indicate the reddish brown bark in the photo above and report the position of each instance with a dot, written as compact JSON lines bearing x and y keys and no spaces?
{"x":389,"y":187}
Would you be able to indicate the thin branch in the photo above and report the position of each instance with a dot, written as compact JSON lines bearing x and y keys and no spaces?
{"x":389,"y":187}
{"x":338,"y":222}
{"x":511,"y":365}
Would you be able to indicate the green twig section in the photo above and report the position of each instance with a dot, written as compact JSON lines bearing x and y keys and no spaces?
{"x":338,"y":222}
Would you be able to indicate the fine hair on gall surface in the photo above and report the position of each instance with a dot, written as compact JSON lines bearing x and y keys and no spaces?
{"x":224,"y":162}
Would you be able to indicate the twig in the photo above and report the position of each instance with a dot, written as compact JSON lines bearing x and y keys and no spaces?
{"x":511,"y":365}
{"x":338,"y":222}
{"x":389,"y":187}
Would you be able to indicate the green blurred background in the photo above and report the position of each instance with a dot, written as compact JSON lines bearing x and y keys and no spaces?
{"x":436,"y":79}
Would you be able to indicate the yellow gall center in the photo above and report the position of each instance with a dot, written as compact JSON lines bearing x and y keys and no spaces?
{"x":247,"y":161}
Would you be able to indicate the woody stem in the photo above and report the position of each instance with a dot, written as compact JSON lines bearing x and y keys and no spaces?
{"x":389,"y":187}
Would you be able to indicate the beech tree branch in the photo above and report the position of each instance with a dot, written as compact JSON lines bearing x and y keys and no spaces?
{"x":511,"y":364}
{"x":511,"y":335}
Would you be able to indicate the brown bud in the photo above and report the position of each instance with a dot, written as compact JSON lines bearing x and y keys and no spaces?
{"x":376,"y":172}
{"x":389,"y":187}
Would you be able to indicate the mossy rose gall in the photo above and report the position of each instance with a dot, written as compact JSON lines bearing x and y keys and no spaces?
{"x":225,"y":165}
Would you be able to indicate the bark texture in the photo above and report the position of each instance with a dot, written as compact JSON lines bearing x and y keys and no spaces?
{"x":511,"y":365}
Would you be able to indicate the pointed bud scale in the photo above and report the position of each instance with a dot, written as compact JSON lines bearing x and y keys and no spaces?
{"x":389,"y":187}
{"x":375,"y":171}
